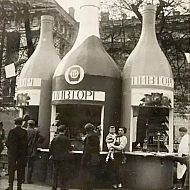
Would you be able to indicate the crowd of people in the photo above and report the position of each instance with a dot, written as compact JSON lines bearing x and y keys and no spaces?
{"x":22,"y":142}
{"x":90,"y":161}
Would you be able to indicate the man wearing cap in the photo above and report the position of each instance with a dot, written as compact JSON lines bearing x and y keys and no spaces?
{"x":17,"y":153}
{"x":59,"y":153}
{"x":33,"y":139}
{"x":90,"y":159}
{"x":183,"y":150}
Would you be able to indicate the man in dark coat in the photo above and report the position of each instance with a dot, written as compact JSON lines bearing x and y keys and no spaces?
{"x":17,"y":153}
{"x":90,"y":159}
{"x":34,"y":138}
{"x":59,"y":153}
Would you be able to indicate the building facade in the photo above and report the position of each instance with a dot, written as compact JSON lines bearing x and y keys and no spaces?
{"x":19,"y":34}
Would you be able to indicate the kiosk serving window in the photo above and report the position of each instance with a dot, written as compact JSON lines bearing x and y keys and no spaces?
{"x":75,"y":116}
{"x":150,"y":129}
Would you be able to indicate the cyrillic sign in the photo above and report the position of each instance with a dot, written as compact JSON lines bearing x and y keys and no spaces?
{"x":78,"y":95}
{"x":152,"y":80}
{"x":29,"y":82}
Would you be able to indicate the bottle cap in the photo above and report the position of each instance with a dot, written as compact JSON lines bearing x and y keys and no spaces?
{"x":47,"y":18}
{"x":149,"y":8}
{"x":94,"y":3}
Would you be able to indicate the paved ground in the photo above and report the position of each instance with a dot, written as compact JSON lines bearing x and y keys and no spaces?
{"x":4,"y":185}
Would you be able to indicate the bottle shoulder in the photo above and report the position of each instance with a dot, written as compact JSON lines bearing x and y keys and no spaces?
{"x":92,"y":57}
{"x":147,"y":60}
{"x":41,"y":64}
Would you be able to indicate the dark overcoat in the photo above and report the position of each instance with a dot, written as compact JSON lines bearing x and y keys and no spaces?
{"x":60,"y":147}
{"x":17,"y":144}
{"x":90,"y":161}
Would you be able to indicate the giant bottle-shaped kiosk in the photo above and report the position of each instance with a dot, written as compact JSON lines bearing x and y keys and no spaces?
{"x":147,"y":91}
{"x":87,"y":82}
{"x":35,"y":81}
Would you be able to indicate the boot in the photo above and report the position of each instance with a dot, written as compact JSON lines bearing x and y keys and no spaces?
{"x":19,"y":187}
{"x":54,"y":188}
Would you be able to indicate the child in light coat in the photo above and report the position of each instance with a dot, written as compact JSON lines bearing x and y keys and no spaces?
{"x":110,"y":140}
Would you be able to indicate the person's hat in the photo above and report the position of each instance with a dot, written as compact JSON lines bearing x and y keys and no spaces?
{"x":62,"y":128}
{"x":31,"y":122}
{"x":89,"y":127}
{"x":18,"y":121}
{"x":182,"y":129}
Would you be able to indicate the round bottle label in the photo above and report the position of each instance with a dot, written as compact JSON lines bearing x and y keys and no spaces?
{"x":74,"y":74}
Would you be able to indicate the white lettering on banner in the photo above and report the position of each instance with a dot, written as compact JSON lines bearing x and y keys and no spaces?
{"x":152,"y":80}
{"x":27,"y":82}
{"x":78,"y":95}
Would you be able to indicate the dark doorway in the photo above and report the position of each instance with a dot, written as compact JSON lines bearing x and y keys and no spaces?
{"x":32,"y":111}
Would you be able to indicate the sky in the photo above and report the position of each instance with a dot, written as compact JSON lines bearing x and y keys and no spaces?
{"x":75,"y":3}
{"x":70,"y":3}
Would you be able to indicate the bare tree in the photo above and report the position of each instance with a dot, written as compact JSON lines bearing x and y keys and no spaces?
{"x":173,"y":34}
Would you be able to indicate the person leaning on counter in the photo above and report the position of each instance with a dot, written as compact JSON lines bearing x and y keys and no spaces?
{"x":34,"y":138}
{"x":90,"y":159}
{"x":59,"y":153}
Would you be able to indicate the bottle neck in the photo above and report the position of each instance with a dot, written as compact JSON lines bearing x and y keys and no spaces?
{"x":89,"y":23}
{"x":148,"y":26}
{"x":46,"y":32}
